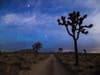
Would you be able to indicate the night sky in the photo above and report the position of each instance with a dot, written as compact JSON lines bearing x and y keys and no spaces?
{"x":24,"y":22}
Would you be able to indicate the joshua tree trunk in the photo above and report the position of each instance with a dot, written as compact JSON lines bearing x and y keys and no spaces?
{"x":76,"y":52}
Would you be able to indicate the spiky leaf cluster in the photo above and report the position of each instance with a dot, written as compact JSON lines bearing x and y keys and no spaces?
{"x":75,"y":21}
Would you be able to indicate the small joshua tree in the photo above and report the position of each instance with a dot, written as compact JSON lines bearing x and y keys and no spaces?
{"x":36,"y":46}
{"x":60,"y":50}
{"x":74,"y":26}
{"x":85,"y":52}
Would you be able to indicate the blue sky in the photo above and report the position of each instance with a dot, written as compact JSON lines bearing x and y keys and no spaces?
{"x":23,"y":22}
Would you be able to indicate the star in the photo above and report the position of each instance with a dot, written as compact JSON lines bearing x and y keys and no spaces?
{"x":28,"y":5}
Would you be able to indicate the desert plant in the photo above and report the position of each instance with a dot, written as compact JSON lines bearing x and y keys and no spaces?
{"x":60,"y":50}
{"x":85,"y":52}
{"x":36,"y":46}
{"x":2,"y":68}
{"x":74,"y":26}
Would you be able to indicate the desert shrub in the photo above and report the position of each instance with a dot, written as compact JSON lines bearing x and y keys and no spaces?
{"x":2,"y":68}
{"x":18,"y":65}
{"x":97,"y":67}
{"x":6,"y":56}
{"x":22,"y":65}
{"x":20,"y":58}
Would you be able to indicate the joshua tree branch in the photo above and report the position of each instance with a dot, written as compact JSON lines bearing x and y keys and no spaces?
{"x":88,"y":26}
{"x":68,"y":31}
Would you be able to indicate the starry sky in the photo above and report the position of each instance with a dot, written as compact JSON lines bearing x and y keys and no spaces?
{"x":24,"y":22}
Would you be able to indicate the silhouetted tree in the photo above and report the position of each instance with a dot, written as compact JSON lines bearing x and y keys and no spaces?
{"x":85,"y":52}
{"x":74,"y":26}
{"x":0,"y":52}
{"x":60,"y":49}
{"x":36,"y":46}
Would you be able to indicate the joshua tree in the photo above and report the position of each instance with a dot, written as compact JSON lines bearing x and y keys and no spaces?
{"x":36,"y":46}
{"x":85,"y":52}
{"x":60,"y":50}
{"x":74,"y":26}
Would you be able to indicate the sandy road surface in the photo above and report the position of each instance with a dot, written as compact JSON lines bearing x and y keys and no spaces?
{"x":50,"y":66}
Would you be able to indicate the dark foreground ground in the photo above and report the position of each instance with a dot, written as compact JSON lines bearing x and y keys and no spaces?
{"x":24,"y":62}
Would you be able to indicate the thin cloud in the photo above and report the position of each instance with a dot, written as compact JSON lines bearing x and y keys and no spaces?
{"x":20,"y":19}
{"x":17,"y":19}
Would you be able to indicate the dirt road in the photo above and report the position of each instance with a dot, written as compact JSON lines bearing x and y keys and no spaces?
{"x":50,"y":66}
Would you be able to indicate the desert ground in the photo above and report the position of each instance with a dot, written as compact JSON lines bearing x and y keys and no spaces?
{"x":26,"y":63}
{"x":50,"y":66}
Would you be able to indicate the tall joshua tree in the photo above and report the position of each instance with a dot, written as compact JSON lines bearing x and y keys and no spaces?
{"x":74,"y":26}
